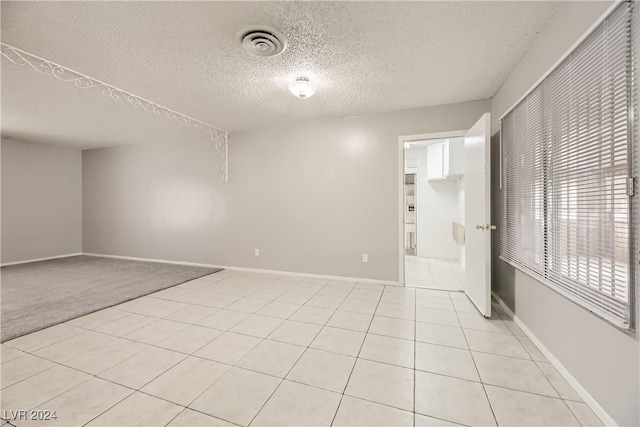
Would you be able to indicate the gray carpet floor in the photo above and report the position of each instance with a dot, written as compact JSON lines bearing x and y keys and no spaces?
{"x":41,"y":294}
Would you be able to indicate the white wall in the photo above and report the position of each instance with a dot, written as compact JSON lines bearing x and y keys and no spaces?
{"x":438,"y":207}
{"x":313,"y":197}
{"x":160,"y":201}
{"x":41,"y":201}
{"x":460,"y":192}
{"x":605,"y":360}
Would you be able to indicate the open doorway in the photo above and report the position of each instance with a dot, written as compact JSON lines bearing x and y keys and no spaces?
{"x":446,"y":204}
{"x":434,"y":210}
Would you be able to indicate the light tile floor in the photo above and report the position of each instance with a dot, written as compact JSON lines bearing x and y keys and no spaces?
{"x":433,"y":273}
{"x":255,"y":349}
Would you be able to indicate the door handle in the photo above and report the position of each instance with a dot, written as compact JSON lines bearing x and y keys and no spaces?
{"x":486,"y":227}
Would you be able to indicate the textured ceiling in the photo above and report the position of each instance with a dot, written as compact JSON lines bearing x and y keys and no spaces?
{"x":365,"y":57}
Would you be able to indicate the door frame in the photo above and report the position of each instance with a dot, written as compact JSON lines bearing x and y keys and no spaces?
{"x":401,"y":140}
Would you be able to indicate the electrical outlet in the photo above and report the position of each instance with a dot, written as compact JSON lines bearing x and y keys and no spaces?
{"x":256,"y":252}
{"x":365,"y":257}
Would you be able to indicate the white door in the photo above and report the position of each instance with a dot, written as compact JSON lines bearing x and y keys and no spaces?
{"x":477,"y":143}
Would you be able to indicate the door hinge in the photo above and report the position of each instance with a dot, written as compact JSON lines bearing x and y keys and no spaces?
{"x":631,"y":186}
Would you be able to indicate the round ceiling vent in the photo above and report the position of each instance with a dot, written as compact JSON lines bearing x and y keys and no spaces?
{"x":262,"y":41}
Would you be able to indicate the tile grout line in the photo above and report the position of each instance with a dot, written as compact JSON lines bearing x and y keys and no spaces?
{"x":262,"y":340}
{"x":139,"y":390}
{"x":292,"y":366}
{"x":415,"y":369}
{"x":290,"y":380}
{"x":244,"y":334}
{"x":112,"y":406}
{"x":356,"y":359}
{"x":537,"y":362}
{"x":484,"y":389}
{"x":136,"y":390}
{"x":274,"y":376}
{"x":79,"y":384}
{"x":94,"y":375}
{"x":218,"y":308}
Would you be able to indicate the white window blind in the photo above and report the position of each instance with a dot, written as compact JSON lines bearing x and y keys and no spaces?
{"x":567,"y":163}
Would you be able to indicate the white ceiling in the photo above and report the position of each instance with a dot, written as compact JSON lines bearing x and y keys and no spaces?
{"x":365,"y":57}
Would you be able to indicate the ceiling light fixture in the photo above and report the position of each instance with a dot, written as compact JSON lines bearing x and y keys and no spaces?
{"x":302,"y":88}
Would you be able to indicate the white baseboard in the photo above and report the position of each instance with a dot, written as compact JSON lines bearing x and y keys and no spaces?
{"x":253,"y":270}
{"x":606,"y":419}
{"x":39,"y":259}
{"x":162,"y":261}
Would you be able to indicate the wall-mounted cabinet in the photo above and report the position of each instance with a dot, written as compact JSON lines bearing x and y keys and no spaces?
{"x":445,"y":159}
{"x":411,"y":165}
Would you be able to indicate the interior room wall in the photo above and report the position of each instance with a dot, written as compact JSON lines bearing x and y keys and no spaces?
{"x":41,"y":201}
{"x":603,"y":359}
{"x":311,"y":197}
{"x":460,"y":192}
{"x":437,"y":209}
{"x":160,"y":201}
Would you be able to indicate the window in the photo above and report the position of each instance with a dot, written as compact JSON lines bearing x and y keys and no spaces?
{"x":567,"y":167}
